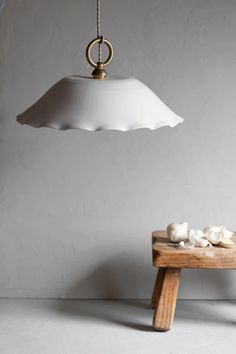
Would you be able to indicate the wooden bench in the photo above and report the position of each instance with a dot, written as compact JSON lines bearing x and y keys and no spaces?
{"x":169,"y":258}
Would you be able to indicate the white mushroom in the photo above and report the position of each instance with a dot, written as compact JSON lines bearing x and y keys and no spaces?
{"x":213,"y":234}
{"x":177,"y":232}
{"x":198,"y":238}
{"x":219,"y":235}
{"x":186,"y":245}
{"x":225,"y":242}
{"x":226,"y":234}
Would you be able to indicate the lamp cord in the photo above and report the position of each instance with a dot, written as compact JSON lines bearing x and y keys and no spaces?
{"x":99,"y":30}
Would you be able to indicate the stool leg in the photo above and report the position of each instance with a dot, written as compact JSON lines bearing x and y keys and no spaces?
{"x":157,"y":287}
{"x":165,"y":305}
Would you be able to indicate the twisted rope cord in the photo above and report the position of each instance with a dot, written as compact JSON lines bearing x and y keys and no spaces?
{"x":99,"y":29}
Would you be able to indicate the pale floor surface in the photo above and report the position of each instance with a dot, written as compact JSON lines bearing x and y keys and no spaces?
{"x":114,"y":327}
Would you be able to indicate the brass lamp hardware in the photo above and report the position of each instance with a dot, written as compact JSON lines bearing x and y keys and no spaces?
{"x":99,"y":72}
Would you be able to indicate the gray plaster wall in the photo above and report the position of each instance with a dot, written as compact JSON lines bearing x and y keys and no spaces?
{"x":77,"y":208}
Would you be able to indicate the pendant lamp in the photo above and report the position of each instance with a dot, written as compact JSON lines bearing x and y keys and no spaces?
{"x":99,"y":102}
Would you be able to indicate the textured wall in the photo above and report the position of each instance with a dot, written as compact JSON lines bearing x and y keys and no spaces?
{"x":77,"y":208}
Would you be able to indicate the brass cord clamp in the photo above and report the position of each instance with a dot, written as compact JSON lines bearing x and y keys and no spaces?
{"x":99,"y":72}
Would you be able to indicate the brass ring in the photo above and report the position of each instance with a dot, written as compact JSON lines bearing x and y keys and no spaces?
{"x":90,"y":46}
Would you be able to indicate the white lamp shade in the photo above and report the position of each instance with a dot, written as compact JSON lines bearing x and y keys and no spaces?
{"x":77,"y":102}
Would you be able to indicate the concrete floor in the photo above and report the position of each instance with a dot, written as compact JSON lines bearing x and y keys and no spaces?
{"x":114,"y":327}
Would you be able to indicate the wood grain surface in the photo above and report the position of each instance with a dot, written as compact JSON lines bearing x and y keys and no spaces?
{"x":168,"y":254}
{"x":166,"y":300}
{"x":157,"y":287}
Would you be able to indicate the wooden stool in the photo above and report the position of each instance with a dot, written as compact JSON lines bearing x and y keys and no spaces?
{"x":170,"y":259}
